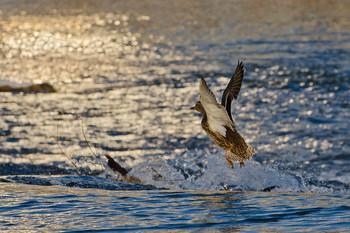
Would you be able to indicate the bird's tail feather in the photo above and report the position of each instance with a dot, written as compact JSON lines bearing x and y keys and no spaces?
{"x":249,"y":152}
{"x":246,"y":156}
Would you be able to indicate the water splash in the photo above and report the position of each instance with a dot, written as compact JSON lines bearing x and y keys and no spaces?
{"x":200,"y":170}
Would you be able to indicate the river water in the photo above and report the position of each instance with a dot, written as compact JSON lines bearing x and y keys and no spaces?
{"x":126,"y":74}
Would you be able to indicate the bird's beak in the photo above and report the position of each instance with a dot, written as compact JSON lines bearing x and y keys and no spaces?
{"x":192,"y":108}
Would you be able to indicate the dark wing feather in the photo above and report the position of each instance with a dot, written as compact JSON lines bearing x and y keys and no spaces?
{"x":233,"y":87}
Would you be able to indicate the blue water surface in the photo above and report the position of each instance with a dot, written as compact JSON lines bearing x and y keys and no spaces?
{"x":64,"y":209}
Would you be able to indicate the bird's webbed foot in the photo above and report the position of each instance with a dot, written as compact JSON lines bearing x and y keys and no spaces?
{"x":229,"y":162}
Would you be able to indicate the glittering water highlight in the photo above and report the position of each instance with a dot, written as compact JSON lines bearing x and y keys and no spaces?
{"x":131,"y":70}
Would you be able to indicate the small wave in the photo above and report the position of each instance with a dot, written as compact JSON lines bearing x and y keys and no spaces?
{"x":77,"y":181}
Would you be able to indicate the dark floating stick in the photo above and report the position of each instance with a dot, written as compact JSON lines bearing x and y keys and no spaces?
{"x":269,"y":188}
{"x":116,"y":166}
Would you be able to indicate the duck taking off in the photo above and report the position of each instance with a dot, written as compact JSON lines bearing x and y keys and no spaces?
{"x":217,"y":120}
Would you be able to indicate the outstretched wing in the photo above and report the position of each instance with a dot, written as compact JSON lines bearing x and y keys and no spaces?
{"x":233,"y":87}
{"x":206,"y":95}
{"x":216,"y":113}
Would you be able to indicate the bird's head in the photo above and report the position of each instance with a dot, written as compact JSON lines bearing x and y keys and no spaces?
{"x":198,"y":107}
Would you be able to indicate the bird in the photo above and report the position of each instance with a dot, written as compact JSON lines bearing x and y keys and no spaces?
{"x":217,"y":119}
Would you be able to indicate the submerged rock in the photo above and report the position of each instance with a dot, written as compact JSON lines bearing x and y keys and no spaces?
{"x":36,"y":88}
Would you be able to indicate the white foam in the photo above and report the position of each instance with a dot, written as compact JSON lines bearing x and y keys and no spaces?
{"x":202,"y":171}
